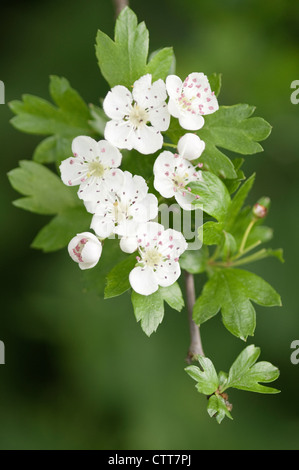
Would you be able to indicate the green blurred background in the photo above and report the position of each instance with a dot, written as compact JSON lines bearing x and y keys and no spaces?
{"x":79,"y":372}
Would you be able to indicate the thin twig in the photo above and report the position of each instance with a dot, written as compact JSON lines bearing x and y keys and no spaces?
{"x":195,"y":344}
{"x":119,"y":5}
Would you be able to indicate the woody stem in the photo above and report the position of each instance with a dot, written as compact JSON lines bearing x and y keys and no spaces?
{"x":195,"y":347}
{"x":119,"y":5}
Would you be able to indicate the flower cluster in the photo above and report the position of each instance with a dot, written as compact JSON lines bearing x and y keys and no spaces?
{"x":119,"y":201}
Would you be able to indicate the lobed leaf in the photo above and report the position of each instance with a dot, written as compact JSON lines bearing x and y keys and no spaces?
{"x":206,"y":377}
{"x":124,"y":60}
{"x":246,"y":373}
{"x":231,"y":291}
{"x":63,"y":123}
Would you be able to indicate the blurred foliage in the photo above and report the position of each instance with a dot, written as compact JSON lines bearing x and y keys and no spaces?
{"x":59,"y":388}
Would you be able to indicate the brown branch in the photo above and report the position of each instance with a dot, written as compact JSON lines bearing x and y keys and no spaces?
{"x":195,"y":344}
{"x":119,"y":5}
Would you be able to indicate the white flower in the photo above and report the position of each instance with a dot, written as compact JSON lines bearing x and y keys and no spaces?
{"x":122,"y":211}
{"x":190,"y":100}
{"x":93,"y":166}
{"x":138,"y":117}
{"x":85,"y":249}
{"x":158,"y":265}
{"x":172,"y":177}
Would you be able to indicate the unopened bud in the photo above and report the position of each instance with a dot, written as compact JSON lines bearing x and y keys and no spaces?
{"x":85,"y":249}
{"x":260,"y":209}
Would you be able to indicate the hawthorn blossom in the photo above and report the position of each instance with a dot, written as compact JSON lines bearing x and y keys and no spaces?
{"x":173,"y":173}
{"x":85,"y":249}
{"x":191,"y":99}
{"x":122,"y":211}
{"x":93,"y":166}
{"x":158,"y":260}
{"x":137,"y":118}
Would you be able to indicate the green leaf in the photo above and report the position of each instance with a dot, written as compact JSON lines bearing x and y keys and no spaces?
{"x":214,"y":196}
{"x":209,"y":302}
{"x":46,"y":151}
{"x":194,"y":261}
{"x":45,"y":192}
{"x":246,"y":373}
{"x":66,"y":121}
{"x":149,"y":310}
{"x":222,"y":377}
{"x":62,"y":228}
{"x":215,"y":80}
{"x":161,"y":63}
{"x":99,"y":119}
{"x":117,"y":281}
{"x":231,"y":290}
{"x":207,"y":379}
{"x":124,"y":60}
{"x":217,"y":408}
{"x":238,"y":201}
{"x":232,"y":184}
{"x":95,"y":278}
{"x":231,"y":128}
{"x":173,"y":296}
{"x":229,"y":245}
{"x":211,"y":233}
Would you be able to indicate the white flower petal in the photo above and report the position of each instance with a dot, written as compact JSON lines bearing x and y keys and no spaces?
{"x":126,"y":228}
{"x":113,"y":180}
{"x":120,"y":134}
{"x":143,"y":280}
{"x":167,"y":273}
{"x":73,"y":171}
{"x":165,"y":162}
{"x":198,"y":88}
{"x":160,"y":117}
{"x":145,"y":210}
{"x":103,"y":226}
{"x":164,"y":186}
{"x":91,"y":252}
{"x":173,"y":243}
{"x":191,"y":122}
{"x":184,"y":199}
{"x":149,"y":95}
{"x":148,"y":140}
{"x":190,"y":146}
{"x":149,"y":233}
{"x":210,"y":104}
{"x":85,"y":147}
{"x":109,"y":155}
{"x":173,"y":85}
{"x":134,"y":188}
{"x":173,"y":108}
{"x":117,"y":103}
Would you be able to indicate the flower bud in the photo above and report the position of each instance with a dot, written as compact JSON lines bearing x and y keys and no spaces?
{"x":85,"y":249}
{"x":260,"y":209}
